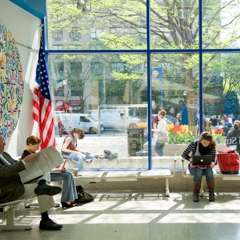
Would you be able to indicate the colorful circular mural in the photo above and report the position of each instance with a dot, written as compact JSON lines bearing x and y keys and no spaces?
{"x":11,"y":83}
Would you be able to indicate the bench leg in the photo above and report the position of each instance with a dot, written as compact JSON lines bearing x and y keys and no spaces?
{"x":10,"y":221}
{"x":201,"y":190}
{"x":167,"y":188}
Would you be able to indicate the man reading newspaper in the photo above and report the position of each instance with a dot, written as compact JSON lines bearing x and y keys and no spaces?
{"x":12,"y":187}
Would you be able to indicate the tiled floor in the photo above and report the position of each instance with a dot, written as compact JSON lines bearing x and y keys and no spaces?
{"x":142,"y":216}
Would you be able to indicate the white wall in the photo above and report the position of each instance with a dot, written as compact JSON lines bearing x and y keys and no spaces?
{"x":24,"y":28}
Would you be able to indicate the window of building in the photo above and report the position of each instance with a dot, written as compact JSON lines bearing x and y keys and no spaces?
{"x":57,"y":34}
{"x":96,"y":33}
{"x":96,"y":67}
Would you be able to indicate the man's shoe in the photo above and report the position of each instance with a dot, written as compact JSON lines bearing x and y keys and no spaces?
{"x":49,"y":225}
{"x":47,"y":189}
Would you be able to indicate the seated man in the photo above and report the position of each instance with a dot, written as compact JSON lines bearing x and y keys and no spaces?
{"x":11,"y":187}
{"x":214,"y":121}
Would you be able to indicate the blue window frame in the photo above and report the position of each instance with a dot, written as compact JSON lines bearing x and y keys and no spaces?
{"x":200,"y":51}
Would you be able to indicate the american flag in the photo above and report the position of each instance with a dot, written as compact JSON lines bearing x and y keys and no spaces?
{"x":42,"y":107}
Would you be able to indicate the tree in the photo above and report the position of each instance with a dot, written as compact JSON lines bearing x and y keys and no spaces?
{"x":222,"y":79}
{"x":174,"y":25}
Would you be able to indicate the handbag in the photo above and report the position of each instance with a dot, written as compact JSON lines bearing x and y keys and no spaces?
{"x":228,"y":162}
{"x":83,"y":197}
{"x":162,"y":137}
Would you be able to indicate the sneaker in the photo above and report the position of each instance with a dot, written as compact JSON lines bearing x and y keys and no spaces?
{"x":47,"y":189}
{"x":49,"y":225}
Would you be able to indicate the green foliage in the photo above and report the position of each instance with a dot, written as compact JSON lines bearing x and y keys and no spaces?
{"x":174,"y":25}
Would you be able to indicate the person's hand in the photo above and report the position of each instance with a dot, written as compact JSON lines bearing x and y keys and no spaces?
{"x":212,"y":165}
{"x":31,"y":157}
{"x":86,"y":153}
{"x":190,"y":159}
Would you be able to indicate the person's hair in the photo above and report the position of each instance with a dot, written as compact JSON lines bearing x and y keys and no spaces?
{"x":236,"y":125}
{"x":162,"y":112}
{"x":80,"y":132}
{"x":33,"y":140}
{"x":208,"y":136}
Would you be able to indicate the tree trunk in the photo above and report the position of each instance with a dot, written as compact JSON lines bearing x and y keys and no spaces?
{"x":191,"y":94}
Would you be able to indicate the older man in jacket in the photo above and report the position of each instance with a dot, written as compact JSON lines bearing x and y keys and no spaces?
{"x":11,"y":187}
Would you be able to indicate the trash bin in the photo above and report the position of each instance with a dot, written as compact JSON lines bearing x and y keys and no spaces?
{"x":135,"y":140}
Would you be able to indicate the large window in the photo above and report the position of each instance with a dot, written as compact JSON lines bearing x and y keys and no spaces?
{"x":117,"y":64}
{"x":106,"y":104}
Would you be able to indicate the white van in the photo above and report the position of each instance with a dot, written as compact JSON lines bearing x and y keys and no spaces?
{"x":84,"y":121}
{"x":114,"y":118}
{"x":66,"y":121}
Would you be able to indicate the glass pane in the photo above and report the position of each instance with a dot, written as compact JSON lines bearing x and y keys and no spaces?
{"x":96,"y":25}
{"x":174,"y":24}
{"x":221,"y":24}
{"x":175,"y":88}
{"x":108,"y":88}
{"x":221,"y":87}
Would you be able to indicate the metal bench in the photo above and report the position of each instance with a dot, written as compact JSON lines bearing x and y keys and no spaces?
{"x":9,"y":209}
{"x":121,"y":176}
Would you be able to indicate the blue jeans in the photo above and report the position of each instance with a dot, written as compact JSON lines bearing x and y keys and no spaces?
{"x":77,"y":158}
{"x":198,"y":173}
{"x":69,"y":192}
{"x":159,"y":148}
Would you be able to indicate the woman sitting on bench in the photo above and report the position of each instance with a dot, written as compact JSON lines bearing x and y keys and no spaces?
{"x":69,"y":148}
{"x":204,"y":146}
{"x":69,"y":192}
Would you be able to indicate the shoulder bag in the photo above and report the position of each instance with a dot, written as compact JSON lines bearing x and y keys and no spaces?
{"x":163,"y":137}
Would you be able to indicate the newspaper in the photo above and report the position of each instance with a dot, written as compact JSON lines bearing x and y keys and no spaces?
{"x":48,"y":159}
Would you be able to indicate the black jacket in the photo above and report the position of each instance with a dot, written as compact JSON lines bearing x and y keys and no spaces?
{"x":233,"y":138}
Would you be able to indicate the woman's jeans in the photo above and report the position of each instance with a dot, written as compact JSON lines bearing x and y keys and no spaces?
{"x":159,"y":148}
{"x":77,"y":158}
{"x":69,"y":192}
{"x":198,"y":173}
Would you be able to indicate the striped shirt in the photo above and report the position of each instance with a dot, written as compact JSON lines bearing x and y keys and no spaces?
{"x":191,"y":149}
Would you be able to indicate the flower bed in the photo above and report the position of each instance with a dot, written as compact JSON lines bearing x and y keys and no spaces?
{"x":179,"y":134}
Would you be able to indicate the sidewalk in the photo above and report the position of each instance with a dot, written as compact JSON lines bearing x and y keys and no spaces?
{"x":96,"y":144}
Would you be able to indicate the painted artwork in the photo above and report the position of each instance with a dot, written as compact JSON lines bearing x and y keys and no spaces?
{"x":11,"y":83}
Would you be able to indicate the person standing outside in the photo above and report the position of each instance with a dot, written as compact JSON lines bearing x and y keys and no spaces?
{"x":233,"y":135}
{"x":161,"y":126}
{"x":60,"y":127}
{"x":226,"y":118}
{"x":214,"y":121}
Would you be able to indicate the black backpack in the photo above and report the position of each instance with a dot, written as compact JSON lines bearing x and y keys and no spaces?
{"x":83,"y":197}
